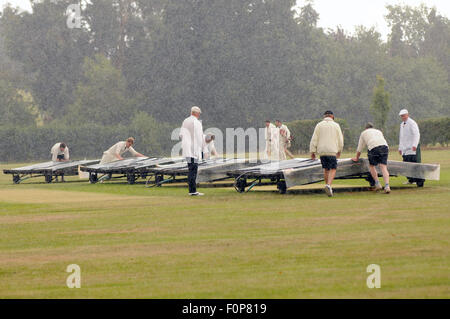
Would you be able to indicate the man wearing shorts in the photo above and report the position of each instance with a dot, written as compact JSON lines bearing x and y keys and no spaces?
{"x":378,"y":152}
{"x":328,"y":142}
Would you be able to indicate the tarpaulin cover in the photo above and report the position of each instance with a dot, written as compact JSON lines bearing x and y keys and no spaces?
{"x":218,"y":168}
{"x":414,"y":170}
{"x":208,"y":170}
{"x":50,"y":166}
{"x":271,"y":168}
{"x":313,"y":172}
{"x":128,"y":162}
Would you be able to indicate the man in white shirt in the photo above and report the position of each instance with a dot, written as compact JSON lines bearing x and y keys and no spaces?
{"x":409,"y":143}
{"x":60,"y":153}
{"x":115,"y":152}
{"x":328,"y":142}
{"x":209,"y":149}
{"x":378,"y":152}
{"x":192,"y":144}
{"x":285,"y":140}
{"x":283,"y":144}
{"x":268,"y":134}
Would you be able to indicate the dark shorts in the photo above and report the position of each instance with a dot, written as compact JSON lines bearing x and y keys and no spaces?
{"x":378,"y":155}
{"x":328,"y":162}
{"x":60,"y":157}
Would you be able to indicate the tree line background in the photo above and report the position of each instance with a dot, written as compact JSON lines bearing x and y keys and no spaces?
{"x":135,"y":67}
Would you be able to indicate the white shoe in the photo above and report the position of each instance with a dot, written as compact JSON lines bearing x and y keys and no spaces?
{"x":329,"y":190}
{"x":104,"y":178}
{"x":378,"y":187}
{"x":196,"y":194}
{"x":387,"y":189}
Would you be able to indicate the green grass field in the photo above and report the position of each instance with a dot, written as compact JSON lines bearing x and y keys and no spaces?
{"x":134,"y":242}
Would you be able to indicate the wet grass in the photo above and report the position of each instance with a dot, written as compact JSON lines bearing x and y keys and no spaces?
{"x":137,"y":242}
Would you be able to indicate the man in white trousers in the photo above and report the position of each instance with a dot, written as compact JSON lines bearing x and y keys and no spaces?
{"x":115,"y":152}
{"x":60,"y":153}
{"x":285,"y":140}
{"x":268,"y":135}
{"x":209,"y":149}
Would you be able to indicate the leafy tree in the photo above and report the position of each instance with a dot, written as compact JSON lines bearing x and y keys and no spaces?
{"x":437,"y":39}
{"x":49,"y":51}
{"x":380,"y":104}
{"x":154,"y":135}
{"x":101,"y":97}
{"x":409,"y":26}
{"x":242,"y":61}
{"x":14,"y":110}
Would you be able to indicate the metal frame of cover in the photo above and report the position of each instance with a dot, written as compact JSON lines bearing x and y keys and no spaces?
{"x":283,"y":174}
{"x":131,"y":168}
{"x":208,"y":170}
{"x":49,"y":170}
{"x":273,"y":173}
{"x":302,"y":171}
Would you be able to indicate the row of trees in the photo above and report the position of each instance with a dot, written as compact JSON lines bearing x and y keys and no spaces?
{"x":242,"y":61}
{"x":33,"y":143}
{"x":154,"y":139}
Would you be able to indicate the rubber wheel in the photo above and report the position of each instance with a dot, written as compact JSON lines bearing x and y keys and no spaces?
{"x":240,"y":185}
{"x":158,"y":180}
{"x":131,"y":178}
{"x":93,"y":178}
{"x":16,"y":179}
{"x":48,"y":178}
{"x":281,"y":185}
{"x":420,"y":183}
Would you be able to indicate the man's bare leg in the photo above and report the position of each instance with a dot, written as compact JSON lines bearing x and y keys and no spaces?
{"x":331,"y":176}
{"x":325,"y":176}
{"x":374,"y":173}
{"x":385,"y":172}
{"x":328,"y":180}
